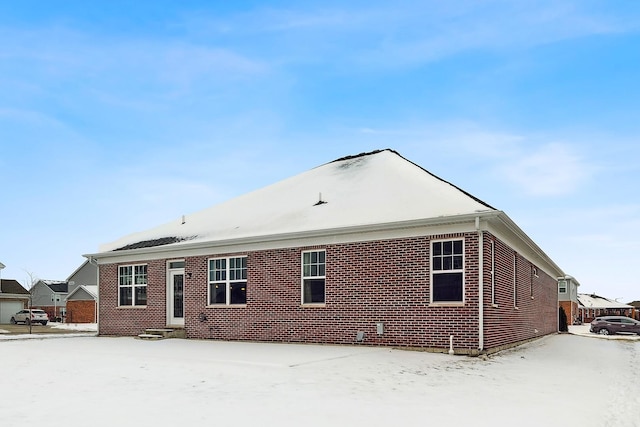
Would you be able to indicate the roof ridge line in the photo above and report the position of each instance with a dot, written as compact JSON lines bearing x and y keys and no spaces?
{"x":370,"y":153}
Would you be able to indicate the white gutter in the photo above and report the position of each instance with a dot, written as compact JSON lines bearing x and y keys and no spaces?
{"x":480,"y":285}
{"x":97,"y":311}
{"x":297,"y":235}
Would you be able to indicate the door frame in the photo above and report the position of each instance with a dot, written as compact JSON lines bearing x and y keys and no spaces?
{"x":173,"y":271}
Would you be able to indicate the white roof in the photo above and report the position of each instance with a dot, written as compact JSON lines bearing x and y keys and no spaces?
{"x":598,"y":302}
{"x":90,"y":289}
{"x":372,"y":188}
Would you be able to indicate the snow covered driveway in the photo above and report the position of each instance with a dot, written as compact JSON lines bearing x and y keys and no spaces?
{"x":560,"y":380}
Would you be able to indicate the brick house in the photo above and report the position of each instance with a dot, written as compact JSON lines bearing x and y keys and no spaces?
{"x":369,"y":249}
{"x":568,"y":298}
{"x":592,"y":306}
{"x":635,"y":312}
{"x":50,"y":295}
{"x":81,"y":304}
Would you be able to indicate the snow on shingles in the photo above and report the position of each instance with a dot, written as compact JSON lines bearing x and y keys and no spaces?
{"x":371,"y":188}
{"x":598,"y":302}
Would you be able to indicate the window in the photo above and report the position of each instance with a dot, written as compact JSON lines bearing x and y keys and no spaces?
{"x":132,"y":285}
{"x":493,"y":273}
{"x":228,"y":281}
{"x":534,"y":273}
{"x":176,"y":264}
{"x":515,"y":280}
{"x":562,"y":286}
{"x":313,"y":277}
{"x":447,"y":271}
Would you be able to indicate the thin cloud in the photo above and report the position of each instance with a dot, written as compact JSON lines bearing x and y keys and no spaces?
{"x":395,"y":35}
{"x":549,"y":170}
{"x":528,"y":163}
{"x":482,"y":26}
{"x":55,"y":54}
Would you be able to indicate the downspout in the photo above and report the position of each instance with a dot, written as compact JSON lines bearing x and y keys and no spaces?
{"x":480,"y":286}
{"x":97,"y":317}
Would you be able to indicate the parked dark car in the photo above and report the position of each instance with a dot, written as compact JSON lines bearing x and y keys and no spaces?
{"x":609,"y":325}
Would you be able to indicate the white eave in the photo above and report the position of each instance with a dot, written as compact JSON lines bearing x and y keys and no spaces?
{"x":5,"y":295}
{"x":494,"y":221}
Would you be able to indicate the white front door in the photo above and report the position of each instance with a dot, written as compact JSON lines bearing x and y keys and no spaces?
{"x":175,"y":296}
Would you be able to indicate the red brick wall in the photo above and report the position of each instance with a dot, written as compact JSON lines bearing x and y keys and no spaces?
{"x":81,"y":312}
{"x":52,"y":312}
{"x":132,"y":321}
{"x":366,"y":283}
{"x":534,"y":316}
{"x":571,"y":310}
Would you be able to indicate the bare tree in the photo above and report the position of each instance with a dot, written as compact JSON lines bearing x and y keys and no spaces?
{"x":29,"y":284}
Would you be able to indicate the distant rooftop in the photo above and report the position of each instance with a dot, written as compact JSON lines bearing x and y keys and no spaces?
{"x":593,"y":301}
{"x":57,"y":286}
{"x":10,"y":286}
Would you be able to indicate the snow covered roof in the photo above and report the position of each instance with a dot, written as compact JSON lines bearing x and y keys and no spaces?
{"x":370,"y":188}
{"x":597,"y":302}
{"x":57,"y":286}
{"x":90,"y":290}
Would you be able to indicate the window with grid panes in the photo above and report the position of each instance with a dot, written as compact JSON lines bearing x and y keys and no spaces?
{"x":447,"y":271}
{"x":228,"y":281}
{"x":313,"y":277}
{"x":132,"y":285}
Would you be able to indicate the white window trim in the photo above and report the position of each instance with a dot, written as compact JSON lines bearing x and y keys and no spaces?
{"x":534,"y":273}
{"x":515,"y":280}
{"x":494,"y":302}
{"x":462,"y":270}
{"x":565,"y":287}
{"x":303,"y":277}
{"x":133,"y":285}
{"x":227,"y":282}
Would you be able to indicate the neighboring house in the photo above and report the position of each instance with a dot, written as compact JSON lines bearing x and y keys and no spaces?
{"x":635,"y":313}
{"x":83,"y":294}
{"x":49,"y":295}
{"x":13,"y":298}
{"x":592,"y":306}
{"x":369,"y":248}
{"x":568,"y":297}
{"x":81,"y":304}
{"x":52,"y":295}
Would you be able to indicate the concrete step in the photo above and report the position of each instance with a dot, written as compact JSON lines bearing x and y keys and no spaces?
{"x":150,"y":337}
{"x":162,"y":333}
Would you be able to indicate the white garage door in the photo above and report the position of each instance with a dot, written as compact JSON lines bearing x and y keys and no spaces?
{"x":8,"y":309}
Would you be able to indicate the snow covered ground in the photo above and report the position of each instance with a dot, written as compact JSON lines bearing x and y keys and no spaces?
{"x":560,"y":380}
{"x":82,"y":329}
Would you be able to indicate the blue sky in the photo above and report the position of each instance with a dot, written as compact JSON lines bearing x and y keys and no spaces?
{"x":118,"y":116}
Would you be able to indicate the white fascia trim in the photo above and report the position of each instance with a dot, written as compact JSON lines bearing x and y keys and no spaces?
{"x":506,"y":230}
{"x":394,"y":230}
{"x":15,"y":296}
